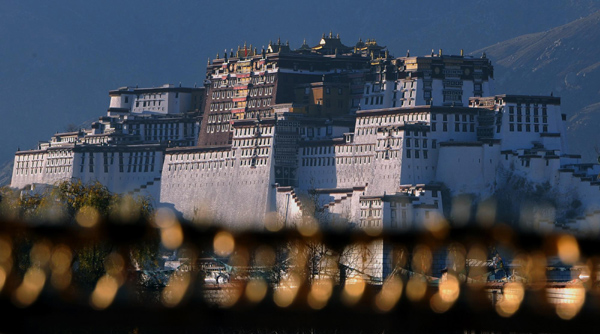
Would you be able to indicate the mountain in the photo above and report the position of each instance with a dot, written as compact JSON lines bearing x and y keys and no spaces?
{"x":6,"y":173}
{"x":564,"y":61}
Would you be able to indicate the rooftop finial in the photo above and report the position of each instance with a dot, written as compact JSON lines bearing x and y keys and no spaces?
{"x":484,"y":55}
{"x":432,"y":52}
{"x":408,"y":53}
{"x":337,"y":36}
{"x":330,"y":34}
{"x":462,"y":52}
{"x":278,"y":40}
{"x":441,"y":52}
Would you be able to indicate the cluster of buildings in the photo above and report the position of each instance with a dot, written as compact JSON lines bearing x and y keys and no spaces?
{"x":348,"y":134}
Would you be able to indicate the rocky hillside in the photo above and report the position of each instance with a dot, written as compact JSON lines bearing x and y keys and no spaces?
{"x":564,"y":61}
{"x":6,"y":173}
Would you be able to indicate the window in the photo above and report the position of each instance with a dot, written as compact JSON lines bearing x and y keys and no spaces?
{"x":408,"y":153}
{"x":445,"y":129}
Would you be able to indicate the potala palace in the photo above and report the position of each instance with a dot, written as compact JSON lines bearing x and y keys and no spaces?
{"x":347,"y":134}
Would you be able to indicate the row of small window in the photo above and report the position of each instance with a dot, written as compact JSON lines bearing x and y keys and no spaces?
{"x":96,"y":140}
{"x":313,"y":162}
{"x":232,"y":81}
{"x":30,"y":157}
{"x":417,"y":154}
{"x":259,"y":113}
{"x":370,"y":203}
{"x":457,"y":127}
{"x":201,"y":156}
{"x":148,"y":103}
{"x":201,"y":165}
{"x":135,"y":168}
{"x":457,"y":117}
{"x":259,"y":91}
{"x":252,"y":142}
{"x":310,"y":132}
{"x":536,"y":119}
{"x":57,"y":162}
{"x":246,"y":131}
{"x":317,"y":150}
{"x":222,"y":106}
{"x":519,"y":127}
{"x":392,"y":119}
{"x":451,"y":96}
{"x":374,"y":100}
{"x":257,"y":103}
{"x":375,"y":88}
{"x":354,"y":148}
{"x":417,"y":142}
{"x":38,"y":170}
{"x":254,"y":162}
{"x":370,"y":223}
{"x":370,"y":213}
{"x":511,"y":110}
{"x":218,"y":118}
{"x":217,"y":128}
{"x":256,"y":151}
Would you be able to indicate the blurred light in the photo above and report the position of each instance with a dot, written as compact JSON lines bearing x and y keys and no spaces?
{"x":512,"y":296}
{"x":437,"y":225}
{"x":5,"y":249}
{"x":476,"y":261}
{"x":461,"y":209}
{"x":104,"y":293}
{"x":456,"y":258}
{"x":114,"y":265}
{"x":308,"y":227}
{"x":353,"y":291}
{"x":178,"y":285}
{"x":61,"y":281}
{"x":87,"y":216}
{"x":373,"y":230}
{"x":449,"y":290}
{"x":568,"y":249}
{"x":40,"y":253}
{"x":3,"y":276}
{"x":30,"y":288}
{"x":127,"y":210}
{"x":165,"y":218}
{"x":571,"y":300}
{"x":438,"y":305}
{"x":224,"y":243}
{"x":172,"y":237}
{"x":320,"y":292}
{"x":264,"y":256}
{"x":390,"y":293}
{"x":486,"y":213}
{"x":256,"y":290}
{"x":416,"y":288}
{"x":422,"y":259}
{"x":230,"y":295}
{"x":286,"y":291}
{"x":61,"y":259}
{"x":273,"y":222}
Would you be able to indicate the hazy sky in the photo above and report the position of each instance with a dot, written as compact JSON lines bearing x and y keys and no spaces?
{"x":60,"y":58}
